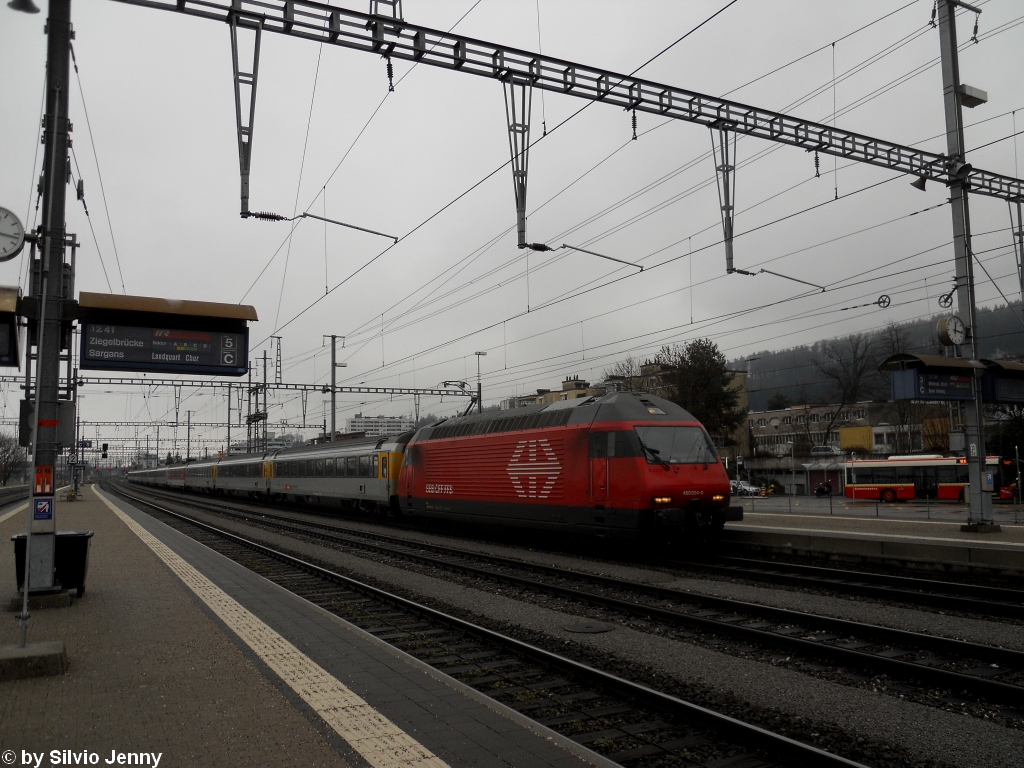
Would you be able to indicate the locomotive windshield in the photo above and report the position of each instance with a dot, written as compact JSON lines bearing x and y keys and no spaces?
{"x":677,"y":445}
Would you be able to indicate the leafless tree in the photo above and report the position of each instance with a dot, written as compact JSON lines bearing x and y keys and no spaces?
{"x":628,"y":371}
{"x":849,"y":365}
{"x":12,"y":457}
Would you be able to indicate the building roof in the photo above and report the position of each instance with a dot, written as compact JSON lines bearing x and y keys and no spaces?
{"x":906,"y":360}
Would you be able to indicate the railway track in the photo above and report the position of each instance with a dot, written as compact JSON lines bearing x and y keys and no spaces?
{"x":952,"y":667}
{"x":949,"y":595}
{"x":629,"y":723}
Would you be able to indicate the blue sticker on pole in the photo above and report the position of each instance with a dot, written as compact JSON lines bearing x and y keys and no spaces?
{"x":44,"y":509}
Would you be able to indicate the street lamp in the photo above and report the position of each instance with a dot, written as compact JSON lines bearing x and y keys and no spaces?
{"x":479,"y":391}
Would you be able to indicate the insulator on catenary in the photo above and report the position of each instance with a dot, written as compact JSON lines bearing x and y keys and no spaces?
{"x":266,"y":216}
{"x":974,"y":37}
{"x":817,"y":165}
{"x":391,"y":76}
{"x":935,"y":10}
{"x":634,"y":125}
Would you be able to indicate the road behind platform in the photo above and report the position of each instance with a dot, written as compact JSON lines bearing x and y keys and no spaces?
{"x":149,"y":670}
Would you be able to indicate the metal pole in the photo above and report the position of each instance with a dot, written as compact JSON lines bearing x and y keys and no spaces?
{"x":980,"y":506}
{"x":228,"y":451}
{"x":24,"y":615}
{"x":188,"y":437}
{"x":1016,"y":450}
{"x":334,"y":370}
{"x":48,"y":331}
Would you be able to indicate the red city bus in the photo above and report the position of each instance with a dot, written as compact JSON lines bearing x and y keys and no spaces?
{"x":911,"y":477}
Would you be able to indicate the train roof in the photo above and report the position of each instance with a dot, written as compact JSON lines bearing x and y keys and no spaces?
{"x":617,"y":406}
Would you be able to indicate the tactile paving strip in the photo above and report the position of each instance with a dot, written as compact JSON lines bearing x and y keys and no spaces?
{"x":378,"y":740}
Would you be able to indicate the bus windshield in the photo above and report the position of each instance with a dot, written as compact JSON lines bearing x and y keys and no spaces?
{"x":677,"y":445}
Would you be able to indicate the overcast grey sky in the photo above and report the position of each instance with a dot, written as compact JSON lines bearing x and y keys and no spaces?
{"x":158,"y":90}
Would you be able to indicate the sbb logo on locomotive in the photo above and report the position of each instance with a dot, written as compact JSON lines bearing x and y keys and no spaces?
{"x":533,"y":469}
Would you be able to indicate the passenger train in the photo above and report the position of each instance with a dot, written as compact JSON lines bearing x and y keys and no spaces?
{"x":622,"y":464}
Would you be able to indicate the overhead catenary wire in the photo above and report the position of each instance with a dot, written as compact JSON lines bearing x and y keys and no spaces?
{"x":99,"y":173}
{"x":298,"y":184}
{"x":857,"y":67}
{"x":345,"y":157}
{"x":492,"y":173}
{"x":88,"y":218}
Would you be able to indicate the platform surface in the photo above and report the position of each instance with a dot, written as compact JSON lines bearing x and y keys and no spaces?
{"x":853,"y":531}
{"x":176,"y":650}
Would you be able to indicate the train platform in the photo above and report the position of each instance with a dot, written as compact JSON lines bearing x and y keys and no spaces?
{"x":853,"y":532}
{"x":181,"y":657}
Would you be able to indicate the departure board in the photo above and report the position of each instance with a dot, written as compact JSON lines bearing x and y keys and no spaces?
{"x":166,"y":350}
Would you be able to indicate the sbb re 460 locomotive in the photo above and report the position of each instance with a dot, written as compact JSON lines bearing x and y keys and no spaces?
{"x":625,"y":463}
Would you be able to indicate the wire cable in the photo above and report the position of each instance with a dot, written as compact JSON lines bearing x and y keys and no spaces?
{"x":99,"y":174}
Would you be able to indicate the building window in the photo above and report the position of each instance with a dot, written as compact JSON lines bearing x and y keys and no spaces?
{"x":751,"y":423}
{"x":861,"y":414}
{"x":787,"y":420}
{"x":815,"y":418}
{"x":828,"y":416}
{"x":762,"y":422}
{"x":801,"y":419}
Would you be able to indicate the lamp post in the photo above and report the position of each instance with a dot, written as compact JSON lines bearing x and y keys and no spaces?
{"x":792,"y":473}
{"x":479,"y":390}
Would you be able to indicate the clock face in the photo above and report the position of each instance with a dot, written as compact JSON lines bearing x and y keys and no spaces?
{"x":12,"y":235}
{"x":955,"y":329}
{"x":952,"y":331}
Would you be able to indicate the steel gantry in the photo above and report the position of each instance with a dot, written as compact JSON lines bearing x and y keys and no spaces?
{"x":393,"y":37}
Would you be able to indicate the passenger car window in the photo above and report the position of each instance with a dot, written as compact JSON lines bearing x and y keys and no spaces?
{"x":352,"y":462}
{"x":364,"y":466}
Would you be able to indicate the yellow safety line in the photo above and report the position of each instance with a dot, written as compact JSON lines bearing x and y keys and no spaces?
{"x":12,"y":513}
{"x":382,"y":743}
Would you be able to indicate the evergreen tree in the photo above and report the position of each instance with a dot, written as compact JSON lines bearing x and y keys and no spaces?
{"x":705,"y":387}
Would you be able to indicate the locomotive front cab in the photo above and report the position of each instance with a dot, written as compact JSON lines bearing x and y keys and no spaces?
{"x":663,"y":465}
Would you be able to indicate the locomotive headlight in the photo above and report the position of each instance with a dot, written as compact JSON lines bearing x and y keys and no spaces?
{"x":718,"y":497}
{"x":661,"y":500}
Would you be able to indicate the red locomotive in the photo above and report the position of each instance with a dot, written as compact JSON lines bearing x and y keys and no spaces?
{"x":627,"y":464}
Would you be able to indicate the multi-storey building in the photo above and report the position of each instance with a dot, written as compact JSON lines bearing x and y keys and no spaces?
{"x":380,"y":425}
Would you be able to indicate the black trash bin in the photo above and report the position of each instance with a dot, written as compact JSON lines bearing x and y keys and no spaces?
{"x":71,"y":558}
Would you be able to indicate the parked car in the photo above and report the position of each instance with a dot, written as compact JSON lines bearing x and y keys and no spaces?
{"x":826,"y":450}
{"x":742,"y":488}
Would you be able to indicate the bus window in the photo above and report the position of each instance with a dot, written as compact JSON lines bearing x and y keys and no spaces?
{"x":883,"y":475}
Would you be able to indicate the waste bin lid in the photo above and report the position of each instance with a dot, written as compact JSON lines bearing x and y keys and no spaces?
{"x":86,"y":534}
